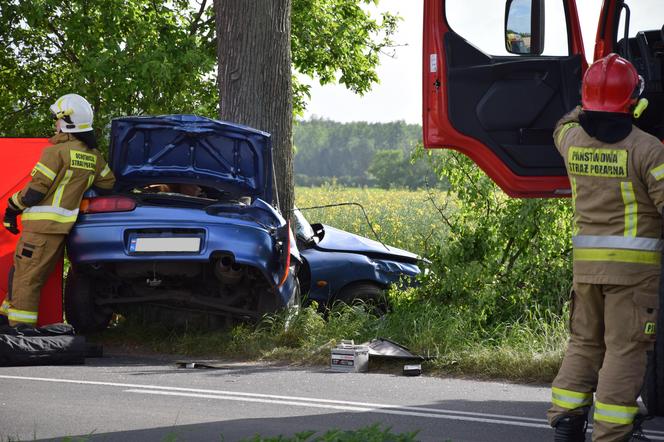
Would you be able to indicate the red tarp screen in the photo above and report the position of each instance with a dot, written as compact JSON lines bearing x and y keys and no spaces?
{"x":17,"y":158}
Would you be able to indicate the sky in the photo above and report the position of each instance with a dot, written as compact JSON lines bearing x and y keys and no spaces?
{"x":398,"y":96}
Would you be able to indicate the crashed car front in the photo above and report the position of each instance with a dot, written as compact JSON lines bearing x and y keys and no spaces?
{"x":342,"y":266}
{"x":189,"y":229}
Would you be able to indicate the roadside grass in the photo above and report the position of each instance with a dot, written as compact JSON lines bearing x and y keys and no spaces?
{"x":529,"y":350}
{"x":373,"y":433}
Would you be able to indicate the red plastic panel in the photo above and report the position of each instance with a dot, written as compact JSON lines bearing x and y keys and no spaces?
{"x":17,"y":158}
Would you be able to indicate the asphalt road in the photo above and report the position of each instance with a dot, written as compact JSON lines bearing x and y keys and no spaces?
{"x":122,"y":398}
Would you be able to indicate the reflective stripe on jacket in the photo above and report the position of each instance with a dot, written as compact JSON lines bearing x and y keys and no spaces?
{"x":63,"y":174}
{"x":618,"y":197}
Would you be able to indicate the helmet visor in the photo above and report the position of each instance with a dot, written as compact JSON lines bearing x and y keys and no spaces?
{"x":640,"y":87}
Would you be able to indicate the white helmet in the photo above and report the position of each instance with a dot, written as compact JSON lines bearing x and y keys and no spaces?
{"x":75,"y":113}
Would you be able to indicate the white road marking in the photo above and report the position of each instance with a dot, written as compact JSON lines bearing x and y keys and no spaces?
{"x":314,"y":403}
{"x":385,"y":409}
{"x":270,"y":396}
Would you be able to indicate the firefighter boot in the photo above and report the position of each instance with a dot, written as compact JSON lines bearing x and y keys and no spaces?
{"x":571,"y":427}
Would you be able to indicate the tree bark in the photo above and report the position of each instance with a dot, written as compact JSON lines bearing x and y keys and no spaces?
{"x":254,"y":54}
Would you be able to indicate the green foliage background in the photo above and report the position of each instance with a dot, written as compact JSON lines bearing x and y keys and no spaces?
{"x":127,"y":57}
{"x":136,"y":57}
{"x":359,"y":154}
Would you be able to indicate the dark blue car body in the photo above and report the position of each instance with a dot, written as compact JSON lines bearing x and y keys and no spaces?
{"x":221,"y":250}
{"x":338,"y":265}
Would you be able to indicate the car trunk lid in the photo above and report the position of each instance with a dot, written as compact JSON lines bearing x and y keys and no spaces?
{"x":192,"y":150}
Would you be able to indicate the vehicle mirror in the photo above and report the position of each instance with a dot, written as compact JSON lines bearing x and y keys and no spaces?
{"x":524,"y":27}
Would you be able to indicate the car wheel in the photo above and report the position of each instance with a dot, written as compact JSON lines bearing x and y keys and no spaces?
{"x":371,"y":295}
{"x":80,"y":309}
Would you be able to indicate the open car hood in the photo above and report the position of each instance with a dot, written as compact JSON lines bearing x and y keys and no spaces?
{"x":342,"y":241}
{"x":193,"y":150}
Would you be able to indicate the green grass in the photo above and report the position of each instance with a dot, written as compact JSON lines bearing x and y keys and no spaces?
{"x":527,"y":351}
{"x":373,"y":433}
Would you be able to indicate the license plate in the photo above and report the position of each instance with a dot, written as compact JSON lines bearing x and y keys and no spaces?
{"x":147,"y":245}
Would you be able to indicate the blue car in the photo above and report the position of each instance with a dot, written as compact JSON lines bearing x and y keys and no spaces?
{"x":341,"y":266}
{"x":191,"y":232}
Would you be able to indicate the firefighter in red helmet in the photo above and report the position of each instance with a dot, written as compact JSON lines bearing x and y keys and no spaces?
{"x":616,"y":172}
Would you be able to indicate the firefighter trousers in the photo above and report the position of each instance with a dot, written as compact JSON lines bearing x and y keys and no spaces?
{"x":34,"y":260}
{"x":612,"y":328}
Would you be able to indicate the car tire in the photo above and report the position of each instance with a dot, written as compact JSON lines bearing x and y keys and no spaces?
{"x":80,"y":309}
{"x":371,"y":295}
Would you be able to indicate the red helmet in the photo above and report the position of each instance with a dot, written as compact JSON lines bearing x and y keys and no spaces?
{"x":611,"y":84}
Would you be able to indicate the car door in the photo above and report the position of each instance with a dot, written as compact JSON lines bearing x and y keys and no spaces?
{"x":500,"y":108}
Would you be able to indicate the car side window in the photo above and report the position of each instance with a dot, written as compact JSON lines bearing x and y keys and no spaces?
{"x":486,"y":31}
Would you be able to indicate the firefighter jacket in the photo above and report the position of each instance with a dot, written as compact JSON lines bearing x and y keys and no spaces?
{"x":60,"y":178}
{"x":618,"y":197}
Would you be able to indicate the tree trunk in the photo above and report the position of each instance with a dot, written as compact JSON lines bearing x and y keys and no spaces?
{"x":253,"y":49}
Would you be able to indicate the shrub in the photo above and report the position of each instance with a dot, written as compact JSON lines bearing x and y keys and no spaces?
{"x":503,"y":257}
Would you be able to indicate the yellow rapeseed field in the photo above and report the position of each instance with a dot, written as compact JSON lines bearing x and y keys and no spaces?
{"x":403,"y":218}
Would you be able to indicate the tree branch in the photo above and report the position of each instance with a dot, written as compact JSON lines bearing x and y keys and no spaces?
{"x":507,"y":250}
{"x":518,"y":253}
{"x":197,"y":19}
{"x":465,"y":173}
{"x":439,"y":209}
{"x":425,"y":241}
{"x":525,"y":245}
{"x":61,"y":43}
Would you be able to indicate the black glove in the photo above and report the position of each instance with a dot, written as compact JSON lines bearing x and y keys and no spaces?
{"x":9,"y":221}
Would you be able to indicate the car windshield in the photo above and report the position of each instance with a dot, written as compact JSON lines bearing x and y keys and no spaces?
{"x":303,"y":229}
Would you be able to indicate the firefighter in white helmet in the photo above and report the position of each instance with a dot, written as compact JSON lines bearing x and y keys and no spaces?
{"x":49,"y":203}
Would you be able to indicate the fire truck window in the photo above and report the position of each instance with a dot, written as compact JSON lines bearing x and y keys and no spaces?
{"x":645,"y":15}
{"x":486,"y":31}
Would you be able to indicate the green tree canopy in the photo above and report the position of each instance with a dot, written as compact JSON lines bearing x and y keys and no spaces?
{"x":393,"y":168}
{"x":132,"y":57}
{"x":338,"y":41}
{"x":127,"y":57}
{"x":327,"y":149}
